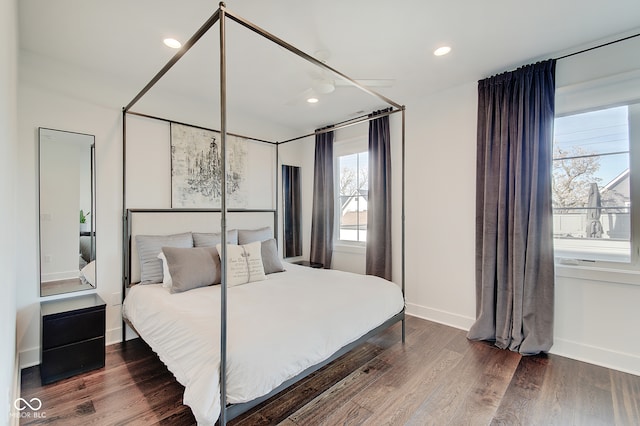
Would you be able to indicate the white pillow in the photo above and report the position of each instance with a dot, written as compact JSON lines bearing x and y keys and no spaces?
{"x":166,"y":275}
{"x":244,"y":263}
{"x":88,"y":273}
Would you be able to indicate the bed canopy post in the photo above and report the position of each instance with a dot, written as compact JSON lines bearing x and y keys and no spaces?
{"x":402,"y":214}
{"x":276,"y":228}
{"x":232,"y":410}
{"x":125,"y":224}
{"x":223,"y":219}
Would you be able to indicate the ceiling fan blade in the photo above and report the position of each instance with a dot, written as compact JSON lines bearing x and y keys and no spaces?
{"x":371,"y":82}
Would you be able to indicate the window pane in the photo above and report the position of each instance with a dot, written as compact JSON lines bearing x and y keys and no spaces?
{"x":363,"y":192}
{"x":596,"y":132}
{"x":353,"y":196}
{"x":591,"y":191}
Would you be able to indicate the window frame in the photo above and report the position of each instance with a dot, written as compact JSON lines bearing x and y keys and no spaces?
{"x":355,"y":145}
{"x":634,"y":166}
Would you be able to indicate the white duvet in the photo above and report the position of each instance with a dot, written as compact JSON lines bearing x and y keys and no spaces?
{"x":276,"y":328}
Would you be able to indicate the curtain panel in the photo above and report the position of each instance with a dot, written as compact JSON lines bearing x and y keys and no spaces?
{"x":514,"y":227}
{"x":322,"y":214}
{"x":292,"y":201}
{"x":378,"y":252}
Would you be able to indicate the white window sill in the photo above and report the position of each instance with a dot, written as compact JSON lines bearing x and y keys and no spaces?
{"x":593,"y":273}
{"x":344,"y":247}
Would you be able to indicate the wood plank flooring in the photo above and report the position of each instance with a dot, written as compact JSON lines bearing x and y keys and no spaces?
{"x":48,"y":288}
{"x":437,"y":377}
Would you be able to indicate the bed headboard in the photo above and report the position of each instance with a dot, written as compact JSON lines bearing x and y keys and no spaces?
{"x":174,"y":221}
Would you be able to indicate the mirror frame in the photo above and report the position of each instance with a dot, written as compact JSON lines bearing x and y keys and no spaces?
{"x":92,"y":216}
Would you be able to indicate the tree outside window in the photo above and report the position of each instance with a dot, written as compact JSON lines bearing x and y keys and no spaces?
{"x":353,"y":195}
{"x":590,"y":184}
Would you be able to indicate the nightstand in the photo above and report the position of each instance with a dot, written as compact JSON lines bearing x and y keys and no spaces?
{"x":72,"y":336}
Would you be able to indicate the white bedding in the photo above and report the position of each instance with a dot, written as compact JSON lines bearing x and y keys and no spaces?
{"x":276,"y":328}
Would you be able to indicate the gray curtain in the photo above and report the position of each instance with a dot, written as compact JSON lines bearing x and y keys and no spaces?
{"x":514,"y":235}
{"x":292,"y":217}
{"x":322,"y":215}
{"x":378,"y":254}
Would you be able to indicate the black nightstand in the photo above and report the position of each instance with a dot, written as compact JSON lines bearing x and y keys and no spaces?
{"x":309,"y":264}
{"x":72,"y":336}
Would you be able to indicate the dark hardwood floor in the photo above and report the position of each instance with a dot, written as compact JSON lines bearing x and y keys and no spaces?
{"x":437,"y":377}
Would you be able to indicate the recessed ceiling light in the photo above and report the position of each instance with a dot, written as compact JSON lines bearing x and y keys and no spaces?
{"x":440,"y":51}
{"x":312,"y":100}
{"x":172,"y":43}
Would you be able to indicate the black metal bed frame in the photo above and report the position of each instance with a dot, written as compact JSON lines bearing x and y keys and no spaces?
{"x":230,"y":411}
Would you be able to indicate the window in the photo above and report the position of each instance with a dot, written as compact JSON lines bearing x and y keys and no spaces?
{"x":352,"y":172}
{"x":591,"y":183}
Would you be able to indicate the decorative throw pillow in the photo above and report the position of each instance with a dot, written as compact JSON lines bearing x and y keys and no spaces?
{"x":244,"y":263}
{"x":192,"y":267}
{"x":166,"y":275}
{"x":149,"y":246}
{"x":203,"y":239}
{"x":270,"y":259}
{"x":246,"y":236}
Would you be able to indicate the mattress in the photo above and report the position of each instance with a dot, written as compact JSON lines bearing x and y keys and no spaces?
{"x":276,"y":329}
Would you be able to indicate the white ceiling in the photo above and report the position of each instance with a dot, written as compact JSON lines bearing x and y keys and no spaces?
{"x":119,"y":42}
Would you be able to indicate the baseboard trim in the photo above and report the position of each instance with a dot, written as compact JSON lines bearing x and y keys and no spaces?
{"x":14,"y":420}
{"x":615,"y":360}
{"x":625,"y":362}
{"x":443,"y":317}
{"x":113,"y":335}
{"x":29,"y":357}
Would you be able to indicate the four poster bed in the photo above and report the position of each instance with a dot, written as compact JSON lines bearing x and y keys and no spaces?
{"x":265,"y":323}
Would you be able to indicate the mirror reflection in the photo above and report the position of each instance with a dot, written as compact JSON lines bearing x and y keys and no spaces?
{"x":67,"y":206}
{"x":292,"y":201}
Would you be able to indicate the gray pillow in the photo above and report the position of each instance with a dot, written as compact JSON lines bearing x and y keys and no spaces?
{"x":270,"y":259}
{"x":246,"y":236}
{"x":201,"y":239}
{"x":192,"y":267}
{"x":85,"y":247}
{"x":150,"y":246}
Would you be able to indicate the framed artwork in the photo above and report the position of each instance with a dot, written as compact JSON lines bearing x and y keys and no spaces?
{"x":196,"y":168}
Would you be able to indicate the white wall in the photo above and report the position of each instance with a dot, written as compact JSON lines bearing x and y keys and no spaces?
{"x":596,"y":311}
{"x":440,"y":222}
{"x":65,"y":99}
{"x":597,"y":307}
{"x":8,"y":212}
{"x":596,"y":319}
{"x":299,"y":153}
{"x":39,"y":107}
{"x":59,"y":201}
{"x":149,"y":167}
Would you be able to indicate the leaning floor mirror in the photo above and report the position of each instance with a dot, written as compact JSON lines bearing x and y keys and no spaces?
{"x":292,"y":202}
{"x":67,"y":211}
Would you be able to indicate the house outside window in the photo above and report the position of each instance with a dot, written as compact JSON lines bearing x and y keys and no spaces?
{"x":591,"y":184}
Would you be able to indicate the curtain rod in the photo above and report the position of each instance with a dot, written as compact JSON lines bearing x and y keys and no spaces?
{"x":597,"y":47}
{"x":343,"y":124}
